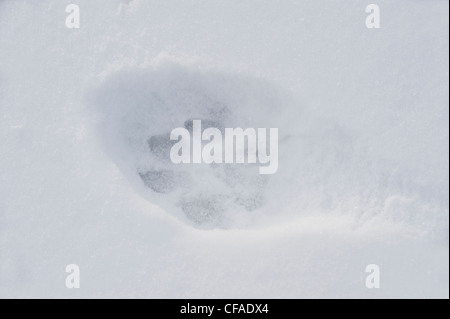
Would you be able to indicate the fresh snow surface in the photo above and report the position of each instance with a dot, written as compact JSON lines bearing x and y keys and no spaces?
{"x":363,"y":123}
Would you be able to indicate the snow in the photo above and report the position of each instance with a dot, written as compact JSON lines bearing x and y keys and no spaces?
{"x":363,"y":139}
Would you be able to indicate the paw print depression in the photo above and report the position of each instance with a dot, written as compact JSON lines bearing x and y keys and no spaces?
{"x":141,"y":111}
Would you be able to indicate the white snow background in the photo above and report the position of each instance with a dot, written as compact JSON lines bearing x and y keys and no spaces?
{"x":364,"y":156}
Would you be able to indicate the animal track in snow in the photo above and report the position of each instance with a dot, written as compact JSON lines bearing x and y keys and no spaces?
{"x":139,"y":108}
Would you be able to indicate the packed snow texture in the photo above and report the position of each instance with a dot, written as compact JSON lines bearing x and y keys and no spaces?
{"x":363,"y":149}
